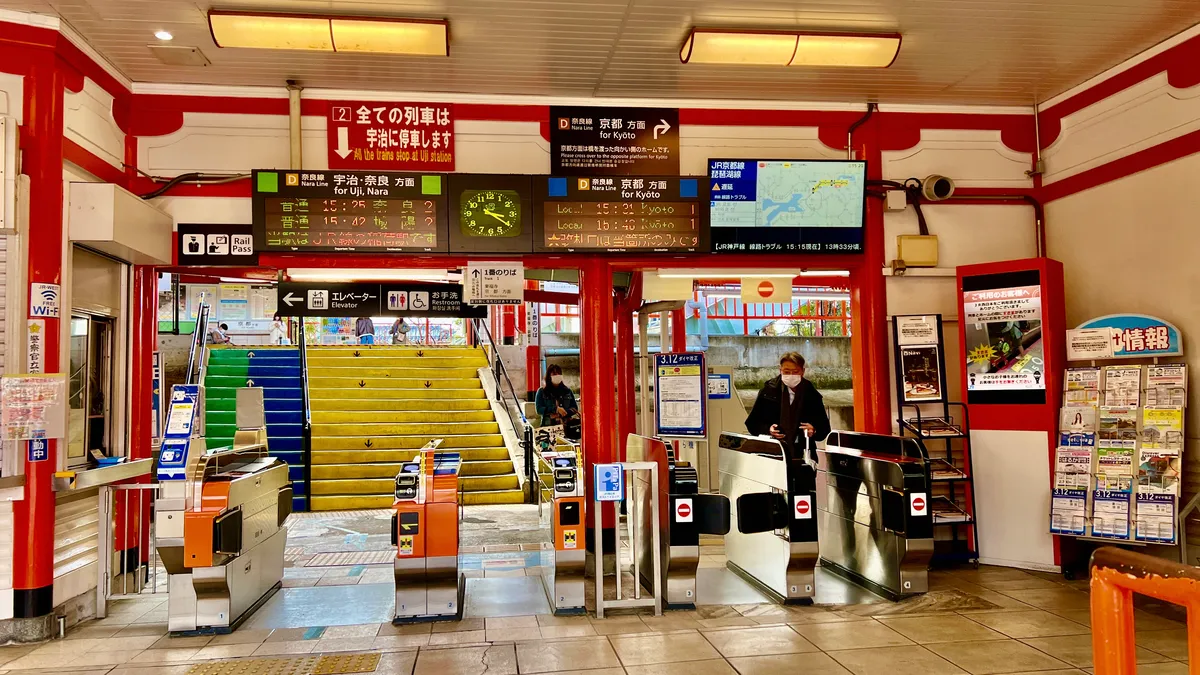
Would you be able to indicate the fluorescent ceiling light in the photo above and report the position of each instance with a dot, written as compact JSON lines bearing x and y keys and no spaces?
{"x":367,"y":274}
{"x":416,"y":37}
{"x":790,"y":48}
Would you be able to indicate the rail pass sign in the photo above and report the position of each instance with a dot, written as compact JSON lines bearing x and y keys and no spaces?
{"x":393,"y":136}
{"x":349,"y":211}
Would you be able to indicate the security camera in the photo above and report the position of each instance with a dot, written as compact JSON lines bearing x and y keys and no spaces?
{"x":937,"y":188}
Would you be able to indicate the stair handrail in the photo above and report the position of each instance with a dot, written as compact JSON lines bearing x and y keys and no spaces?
{"x":306,"y":433}
{"x":196,"y":353}
{"x":500,"y":374}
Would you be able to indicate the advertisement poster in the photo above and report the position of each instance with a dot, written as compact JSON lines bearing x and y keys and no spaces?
{"x":1159,"y":472}
{"x":1004,"y":339}
{"x":922,"y":375}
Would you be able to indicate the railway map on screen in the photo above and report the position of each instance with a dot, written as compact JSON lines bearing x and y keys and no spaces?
{"x":786,"y":206}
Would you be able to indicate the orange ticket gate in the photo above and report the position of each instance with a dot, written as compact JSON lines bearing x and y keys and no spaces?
{"x":564,"y":580}
{"x":425,"y":531}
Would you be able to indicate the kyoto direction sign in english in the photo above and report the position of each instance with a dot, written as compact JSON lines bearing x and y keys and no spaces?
{"x":601,"y":141}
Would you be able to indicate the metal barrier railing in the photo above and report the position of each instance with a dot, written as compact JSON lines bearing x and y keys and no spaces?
{"x":128,"y":562}
{"x":1116,"y":575}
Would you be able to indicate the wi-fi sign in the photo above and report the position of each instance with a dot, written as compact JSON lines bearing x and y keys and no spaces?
{"x":43,"y":300}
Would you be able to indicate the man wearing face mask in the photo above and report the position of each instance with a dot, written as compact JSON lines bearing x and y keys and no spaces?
{"x":790,"y":409}
{"x":555,"y":402}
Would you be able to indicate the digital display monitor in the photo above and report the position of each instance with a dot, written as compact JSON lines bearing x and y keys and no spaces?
{"x":349,"y":211}
{"x":786,"y":206}
{"x":656,"y":214}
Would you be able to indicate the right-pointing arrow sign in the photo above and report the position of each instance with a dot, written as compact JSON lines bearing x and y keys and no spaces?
{"x":291,"y":299}
{"x":343,"y":146}
{"x":662,"y":127}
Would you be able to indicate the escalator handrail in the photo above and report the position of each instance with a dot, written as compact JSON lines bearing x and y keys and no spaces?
{"x":195,"y":355}
{"x":306,"y":434}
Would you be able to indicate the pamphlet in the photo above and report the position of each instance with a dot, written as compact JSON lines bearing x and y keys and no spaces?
{"x":1156,"y":518}
{"x":1158,"y":473}
{"x":1067,"y":512}
{"x":1079,"y":379}
{"x":1110,"y":514}
{"x":1079,"y":398}
{"x":1077,"y":420}
{"x":1166,"y":385}
{"x":1072,"y":468}
{"x":1118,"y":427}
{"x":1122,"y":386}
{"x":1073,"y":440}
{"x":1162,"y":428}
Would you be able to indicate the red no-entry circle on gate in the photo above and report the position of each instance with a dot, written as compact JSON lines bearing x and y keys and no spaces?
{"x":766,"y":289}
{"x":801,"y":507}
{"x":918,"y":504}
{"x":684,"y":510}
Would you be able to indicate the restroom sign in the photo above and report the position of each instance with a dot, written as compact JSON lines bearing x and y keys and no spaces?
{"x":802,"y":504}
{"x":918,"y":504}
{"x":683,"y":511}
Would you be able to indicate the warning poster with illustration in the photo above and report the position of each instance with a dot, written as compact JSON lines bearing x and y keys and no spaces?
{"x":1003,"y":330}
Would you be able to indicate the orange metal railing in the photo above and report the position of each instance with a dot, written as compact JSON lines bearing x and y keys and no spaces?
{"x":1116,"y":575}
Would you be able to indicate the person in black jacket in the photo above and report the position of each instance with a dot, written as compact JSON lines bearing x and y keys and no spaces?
{"x":789,"y":408}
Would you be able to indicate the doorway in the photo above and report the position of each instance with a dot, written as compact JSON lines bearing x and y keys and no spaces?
{"x":90,"y":393}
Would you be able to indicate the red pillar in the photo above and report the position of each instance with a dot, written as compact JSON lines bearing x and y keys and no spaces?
{"x":145,"y":342}
{"x":626,"y":395}
{"x":678,"y":331}
{"x":597,"y":368}
{"x":872,"y":391}
{"x":533,"y":346}
{"x":42,"y":161}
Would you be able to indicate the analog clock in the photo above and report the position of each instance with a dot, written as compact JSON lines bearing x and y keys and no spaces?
{"x":490,"y":213}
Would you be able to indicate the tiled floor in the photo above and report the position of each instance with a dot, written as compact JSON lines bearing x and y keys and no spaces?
{"x":1036,"y":623}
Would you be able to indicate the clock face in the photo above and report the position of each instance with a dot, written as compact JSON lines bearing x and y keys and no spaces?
{"x":490,"y":213}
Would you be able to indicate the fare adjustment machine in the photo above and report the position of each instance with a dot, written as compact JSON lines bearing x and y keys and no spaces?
{"x":219,"y":515}
{"x":564,"y":580}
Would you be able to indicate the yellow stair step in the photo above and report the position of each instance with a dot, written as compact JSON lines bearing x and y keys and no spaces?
{"x":323,"y":361}
{"x":415,"y":442}
{"x":411,"y":378}
{"x":375,"y":417}
{"x":392,"y":351}
{"x":350,"y":503}
{"x":432,"y":429}
{"x":364,"y":456}
{"x":398,"y":404}
{"x":414,"y":393}
{"x":491,"y":497}
{"x":388,"y":470}
{"x":480,"y":483}
{"x":355,"y":486}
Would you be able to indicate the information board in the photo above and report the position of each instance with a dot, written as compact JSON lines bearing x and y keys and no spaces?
{"x":177,"y":437}
{"x":680,"y":390}
{"x":396,"y":136}
{"x":374,"y":299}
{"x":602,"y":141}
{"x":787,"y":206}
{"x":216,"y":244}
{"x":1002,"y":338}
{"x":34,"y":406}
{"x":618,"y":214}
{"x":349,"y":211}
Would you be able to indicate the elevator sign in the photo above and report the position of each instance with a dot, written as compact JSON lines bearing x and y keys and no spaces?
{"x":396,"y":136}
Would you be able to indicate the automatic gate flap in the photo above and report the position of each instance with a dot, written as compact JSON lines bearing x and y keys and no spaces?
{"x":762,"y":512}
{"x":712,"y":514}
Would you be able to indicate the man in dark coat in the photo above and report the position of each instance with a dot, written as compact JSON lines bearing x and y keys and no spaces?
{"x":790,"y":409}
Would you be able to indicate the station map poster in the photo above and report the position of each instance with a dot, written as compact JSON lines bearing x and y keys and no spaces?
{"x":601,"y":141}
{"x":375,"y":299}
{"x":393,"y":136}
{"x":349,"y":211}
{"x":787,"y":206}
{"x":661,"y":214}
{"x":223,"y":244}
{"x":1002,"y":318}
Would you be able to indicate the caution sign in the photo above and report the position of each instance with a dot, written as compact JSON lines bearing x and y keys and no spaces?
{"x":918,"y":504}
{"x":406,"y":545}
{"x":570,"y":539}
{"x":802,"y":505}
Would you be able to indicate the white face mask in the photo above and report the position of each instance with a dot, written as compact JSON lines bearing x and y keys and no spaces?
{"x":556,"y":380}
{"x":791,"y":381}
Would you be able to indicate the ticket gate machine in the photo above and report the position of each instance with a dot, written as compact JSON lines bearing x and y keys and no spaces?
{"x":684,"y":515}
{"x":425,"y":532}
{"x":775,"y":543}
{"x":563,"y":581}
{"x":219,"y":516}
{"x":873,"y":501}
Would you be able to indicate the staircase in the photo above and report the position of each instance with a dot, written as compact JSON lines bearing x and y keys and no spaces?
{"x":373,"y":407}
{"x":277,"y":371}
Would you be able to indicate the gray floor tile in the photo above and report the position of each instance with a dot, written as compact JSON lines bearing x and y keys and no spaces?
{"x":995,"y":656}
{"x":895,"y":661}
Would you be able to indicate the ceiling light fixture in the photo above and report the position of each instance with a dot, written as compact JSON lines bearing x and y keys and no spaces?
{"x":790,"y":48}
{"x":378,"y":35}
{"x":163,"y":35}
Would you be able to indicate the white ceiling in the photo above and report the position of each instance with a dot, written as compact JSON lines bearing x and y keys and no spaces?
{"x":996,"y":52}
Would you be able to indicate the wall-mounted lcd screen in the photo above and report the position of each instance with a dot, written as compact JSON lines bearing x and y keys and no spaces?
{"x":786,"y":206}
{"x":656,"y":214}
{"x":349,"y":211}
{"x":1002,"y":333}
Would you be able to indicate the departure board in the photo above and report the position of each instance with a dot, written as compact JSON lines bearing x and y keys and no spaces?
{"x":349,"y":211}
{"x":622,"y":214}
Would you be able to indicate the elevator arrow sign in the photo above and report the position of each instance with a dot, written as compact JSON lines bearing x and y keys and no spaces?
{"x":290,"y":299}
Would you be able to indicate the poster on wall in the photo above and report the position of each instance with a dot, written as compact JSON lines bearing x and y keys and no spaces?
{"x":679,"y":393}
{"x":1003,"y":333}
{"x":922,"y":377}
{"x":920,"y":364}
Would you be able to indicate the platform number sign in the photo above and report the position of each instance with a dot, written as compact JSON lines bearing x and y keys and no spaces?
{"x":610,"y":483}
{"x":802,"y":504}
{"x":918,"y":504}
{"x":684,"y":512}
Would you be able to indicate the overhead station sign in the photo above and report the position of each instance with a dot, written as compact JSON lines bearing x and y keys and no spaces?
{"x":349,"y":211}
{"x":394,"y":136}
{"x":600,"y":141}
{"x":621,"y":214}
{"x":375,"y":299}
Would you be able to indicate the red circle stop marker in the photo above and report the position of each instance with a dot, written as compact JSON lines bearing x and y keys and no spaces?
{"x":918,"y":504}
{"x":684,"y":510}
{"x":802,"y":508}
{"x":766,"y":289}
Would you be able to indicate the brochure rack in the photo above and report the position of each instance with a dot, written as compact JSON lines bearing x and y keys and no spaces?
{"x":1119,"y":463}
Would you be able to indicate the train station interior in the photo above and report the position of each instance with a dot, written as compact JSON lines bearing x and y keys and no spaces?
{"x":628,"y":337}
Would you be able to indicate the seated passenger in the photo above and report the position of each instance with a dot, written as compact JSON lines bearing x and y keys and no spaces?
{"x":554,"y":401}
